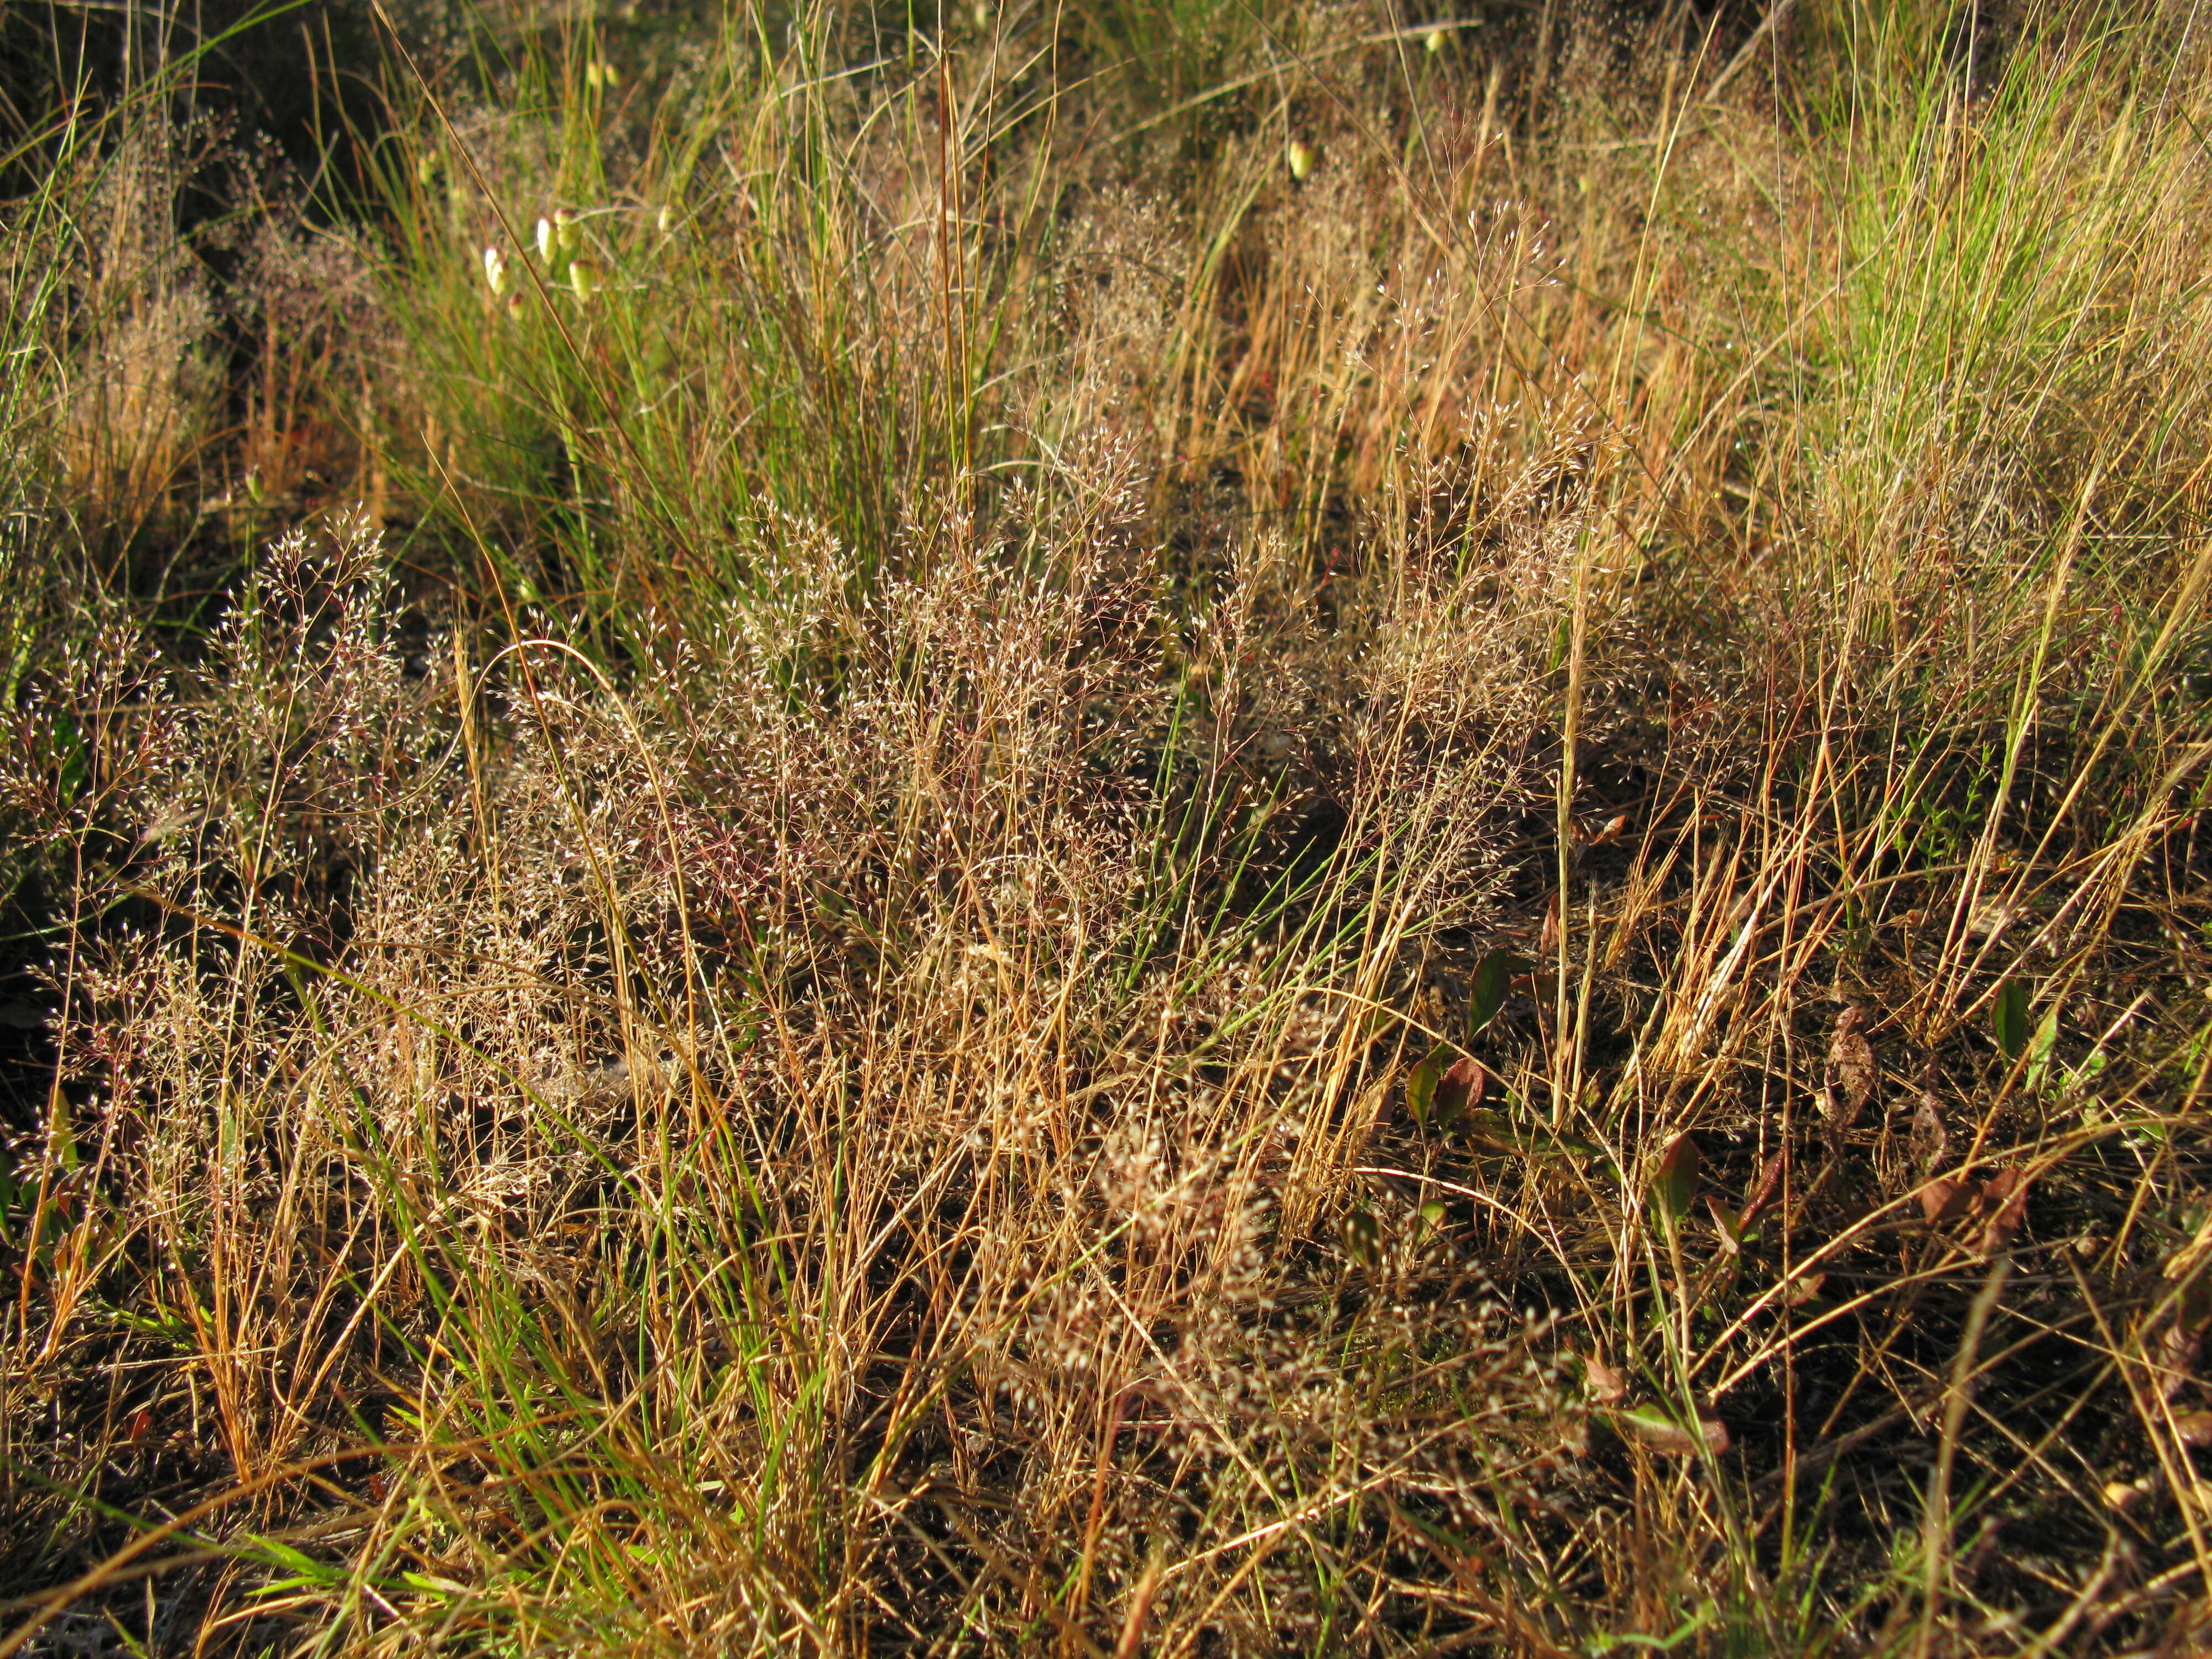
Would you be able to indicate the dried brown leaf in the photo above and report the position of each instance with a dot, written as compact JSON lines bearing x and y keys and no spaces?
{"x":2177,"y":1354}
{"x":2004,"y":1196}
{"x":1931,"y":1141}
{"x":1803,"y":1289}
{"x":1946,"y":1198}
{"x":1850,"y":1073}
{"x":1603,"y":1383}
{"x":1653,"y":1428}
{"x":2194,"y":1428}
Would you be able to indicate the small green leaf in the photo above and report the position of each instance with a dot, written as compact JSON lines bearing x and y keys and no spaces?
{"x":1487,"y":992}
{"x":61,"y":1134}
{"x":1421,"y":1083}
{"x":1674,"y":1184}
{"x":2010,"y":1017}
{"x":70,"y":747}
{"x":2039,"y":1049}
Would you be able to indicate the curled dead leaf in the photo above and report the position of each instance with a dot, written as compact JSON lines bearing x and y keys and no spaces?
{"x":2176,"y":1356}
{"x":1931,"y":1141}
{"x":1602,"y":1382}
{"x":1803,"y":1289}
{"x":2194,"y":1428}
{"x":1850,"y":1073}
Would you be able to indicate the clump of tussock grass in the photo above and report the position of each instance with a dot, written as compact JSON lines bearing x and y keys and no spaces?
{"x":853,"y":1099}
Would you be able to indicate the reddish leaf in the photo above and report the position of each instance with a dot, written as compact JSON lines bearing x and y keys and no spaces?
{"x":1461,"y":1088}
{"x":2194,"y":1428}
{"x":1945,"y":1199}
{"x":2004,"y":1194}
{"x":1770,"y":1182}
{"x":1674,"y":1183}
{"x":141,"y":1425}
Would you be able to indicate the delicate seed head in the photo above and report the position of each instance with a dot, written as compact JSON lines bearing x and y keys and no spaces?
{"x":1301,"y":158}
{"x":544,"y":238}
{"x":495,"y":269}
{"x":583,"y":277}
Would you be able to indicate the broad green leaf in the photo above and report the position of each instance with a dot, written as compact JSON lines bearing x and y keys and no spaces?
{"x":1486,"y":993}
{"x":2039,"y":1049}
{"x":2009,"y":1016}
